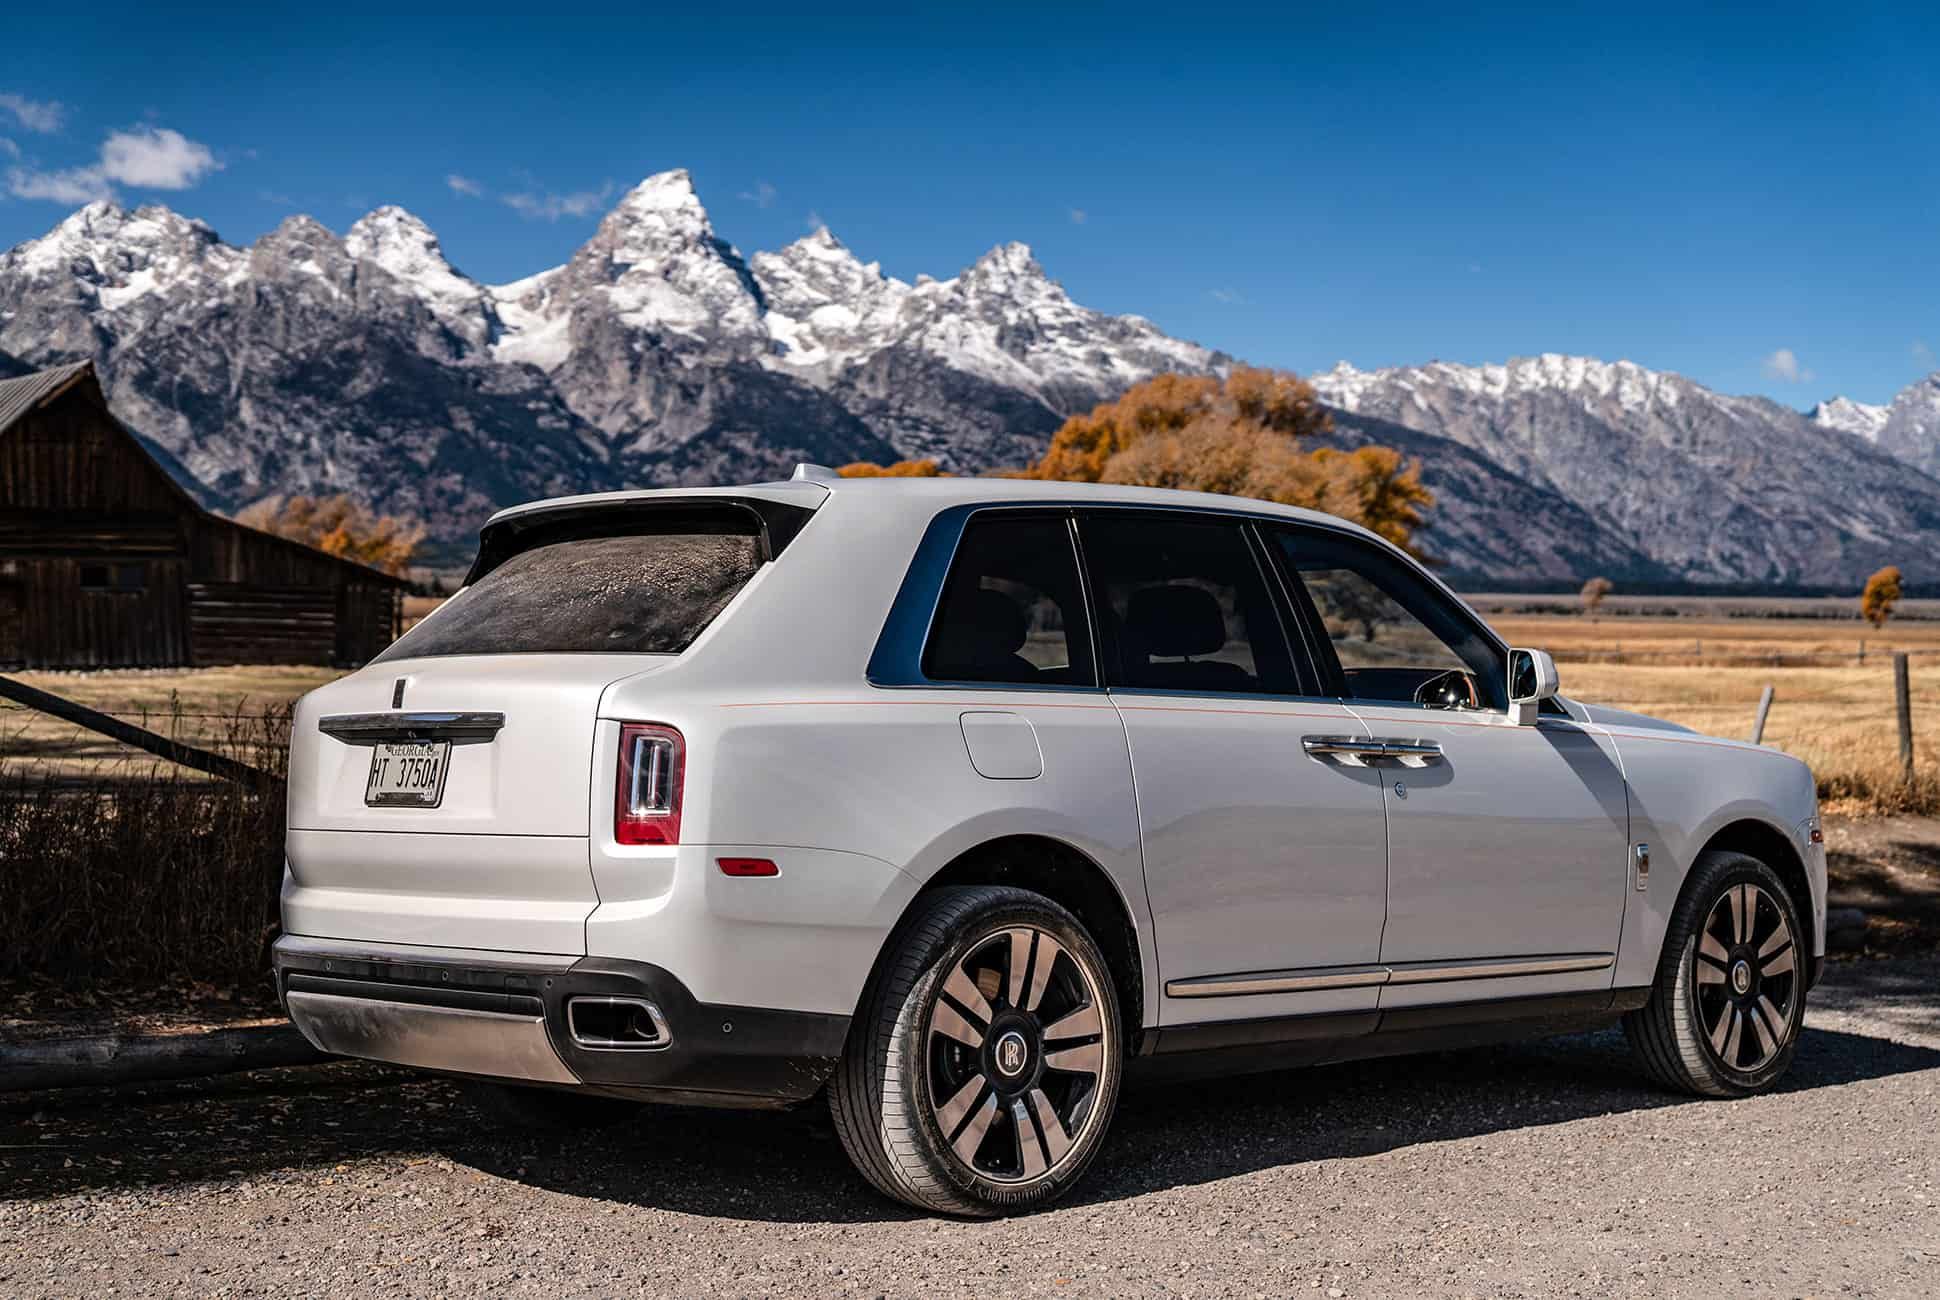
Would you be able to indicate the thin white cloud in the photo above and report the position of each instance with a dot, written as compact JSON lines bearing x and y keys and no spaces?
{"x":763,"y":195}
{"x":465,"y":186}
{"x":1922,"y":354}
{"x":551,"y":207}
{"x":1783,"y":365}
{"x":1079,"y":216}
{"x":155,"y":158}
{"x":9,"y":148}
{"x":1228,"y":296}
{"x":75,"y":185}
{"x":815,"y":221}
{"x":43,"y":117}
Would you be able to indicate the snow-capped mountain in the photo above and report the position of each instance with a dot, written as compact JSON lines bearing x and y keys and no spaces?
{"x":658,"y":354}
{"x":1911,"y":429}
{"x":1857,"y":418}
{"x":655,"y":354}
{"x":1708,"y":486}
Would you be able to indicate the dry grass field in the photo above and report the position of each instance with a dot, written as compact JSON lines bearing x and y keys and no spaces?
{"x":1701,"y":662}
{"x":206,"y":707}
{"x":1706,"y":665}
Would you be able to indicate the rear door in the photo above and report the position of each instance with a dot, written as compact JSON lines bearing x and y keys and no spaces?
{"x":1265,"y":867}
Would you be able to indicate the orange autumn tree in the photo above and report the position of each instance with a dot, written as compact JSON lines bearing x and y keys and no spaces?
{"x":1241,"y":436}
{"x":341,"y":526}
{"x":1881,"y":594}
{"x":901,"y":469}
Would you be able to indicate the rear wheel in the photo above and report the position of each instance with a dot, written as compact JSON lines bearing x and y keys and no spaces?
{"x":984,"y":1066}
{"x":1724,"y":1016}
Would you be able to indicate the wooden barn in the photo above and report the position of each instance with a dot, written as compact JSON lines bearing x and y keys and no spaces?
{"x":106,"y":562}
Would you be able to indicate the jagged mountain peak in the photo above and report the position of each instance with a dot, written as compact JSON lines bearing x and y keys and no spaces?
{"x":1859,"y":418}
{"x":663,"y":192}
{"x":1013,"y":260}
{"x":389,"y":224}
{"x":408,"y":249}
{"x":299,"y":227}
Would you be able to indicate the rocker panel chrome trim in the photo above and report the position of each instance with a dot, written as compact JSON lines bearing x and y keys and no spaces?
{"x":1307,"y":979}
{"x":1277,"y":981}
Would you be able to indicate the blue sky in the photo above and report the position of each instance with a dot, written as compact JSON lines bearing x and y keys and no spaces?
{"x":1749,"y":198}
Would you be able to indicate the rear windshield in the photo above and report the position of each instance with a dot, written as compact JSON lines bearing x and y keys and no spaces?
{"x":644,"y":594}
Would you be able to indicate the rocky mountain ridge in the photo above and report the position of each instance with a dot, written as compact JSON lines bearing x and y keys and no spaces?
{"x":658,"y":354}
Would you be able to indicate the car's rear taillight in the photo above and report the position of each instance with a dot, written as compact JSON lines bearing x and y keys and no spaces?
{"x":653,"y":763}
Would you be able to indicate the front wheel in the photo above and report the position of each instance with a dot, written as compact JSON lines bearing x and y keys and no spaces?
{"x":983,"y":1067}
{"x":1724,"y":1015}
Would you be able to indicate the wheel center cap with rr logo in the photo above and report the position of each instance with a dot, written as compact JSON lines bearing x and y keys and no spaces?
{"x":1012,"y":1054}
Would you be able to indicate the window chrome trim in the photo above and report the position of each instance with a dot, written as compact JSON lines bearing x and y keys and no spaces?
{"x":897,"y":659}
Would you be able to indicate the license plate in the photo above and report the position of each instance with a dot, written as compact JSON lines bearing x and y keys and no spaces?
{"x":407,"y":774}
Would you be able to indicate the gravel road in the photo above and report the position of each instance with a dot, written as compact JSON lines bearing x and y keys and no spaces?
{"x":1537,"y":1170}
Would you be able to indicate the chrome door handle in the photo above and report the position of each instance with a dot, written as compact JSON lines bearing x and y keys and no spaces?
{"x":1411,"y":753}
{"x":1353,"y":751}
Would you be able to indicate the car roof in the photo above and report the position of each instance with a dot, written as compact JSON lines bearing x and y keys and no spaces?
{"x":813,"y":486}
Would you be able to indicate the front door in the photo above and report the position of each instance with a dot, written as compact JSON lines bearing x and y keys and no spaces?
{"x":1508,"y":846}
{"x":1265,"y":868}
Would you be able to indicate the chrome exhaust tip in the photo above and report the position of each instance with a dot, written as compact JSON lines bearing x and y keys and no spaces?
{"x":617,"y":1024}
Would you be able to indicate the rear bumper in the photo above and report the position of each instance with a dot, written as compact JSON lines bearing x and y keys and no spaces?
{"x":506,"y":1016}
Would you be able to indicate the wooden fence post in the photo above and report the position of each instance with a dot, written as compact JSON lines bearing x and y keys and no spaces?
{"x":1903,"y":700}
{"x":1758,"y":723}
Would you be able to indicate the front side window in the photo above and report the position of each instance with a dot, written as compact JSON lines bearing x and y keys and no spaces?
{"x":1397,"y":640}
{"x":1186,"y":606}
{"x":1012,"y":611}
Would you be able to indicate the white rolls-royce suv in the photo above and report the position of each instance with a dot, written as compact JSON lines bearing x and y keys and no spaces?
{"x":957,"y":801}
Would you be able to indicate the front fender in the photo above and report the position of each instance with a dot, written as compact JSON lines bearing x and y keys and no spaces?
{"x":1686,"y":790}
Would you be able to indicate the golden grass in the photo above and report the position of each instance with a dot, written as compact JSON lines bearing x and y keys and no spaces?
{"x":1839,"y":720}
{"x":1696,"y":641}
{"x":198,"y":706}
{"x":1706,"y":672}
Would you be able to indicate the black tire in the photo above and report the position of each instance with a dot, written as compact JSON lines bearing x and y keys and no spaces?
{"x":1030,"y":1099}
{"x":1723,"y":1017}
{"x":546,"y":1110}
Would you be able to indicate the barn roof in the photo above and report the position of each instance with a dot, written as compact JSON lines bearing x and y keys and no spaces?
{"x":30,"y":392}
{"x":19,"y":396}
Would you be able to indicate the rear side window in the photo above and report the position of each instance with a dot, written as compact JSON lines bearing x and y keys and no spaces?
{"x":1186,"y":606}
{"x":1012,"y":610}
{"x":641,"y":594}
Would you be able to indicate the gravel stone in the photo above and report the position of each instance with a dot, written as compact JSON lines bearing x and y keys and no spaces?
{"x":1542,"y":1169}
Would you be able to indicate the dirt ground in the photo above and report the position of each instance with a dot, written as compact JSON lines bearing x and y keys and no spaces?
{"x":1544,"y":1169}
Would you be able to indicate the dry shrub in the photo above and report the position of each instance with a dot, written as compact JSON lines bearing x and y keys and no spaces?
{"x":143,"y":872}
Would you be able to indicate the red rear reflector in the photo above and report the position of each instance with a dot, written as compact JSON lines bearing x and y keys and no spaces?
{"x":748,"y":867}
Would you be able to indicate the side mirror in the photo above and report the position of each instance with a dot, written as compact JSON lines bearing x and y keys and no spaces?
{"x":1532,"y":679}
